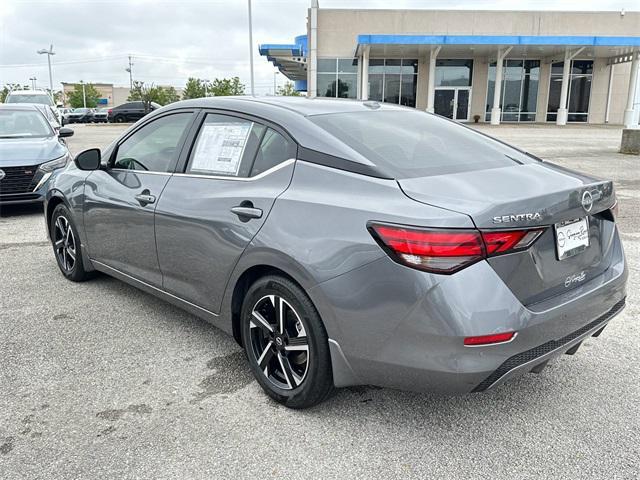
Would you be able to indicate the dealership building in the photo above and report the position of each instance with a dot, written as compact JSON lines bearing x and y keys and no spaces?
{"x":486,"y":66}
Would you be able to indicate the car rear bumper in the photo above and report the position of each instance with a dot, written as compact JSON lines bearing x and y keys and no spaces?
{"x":397,"y":327}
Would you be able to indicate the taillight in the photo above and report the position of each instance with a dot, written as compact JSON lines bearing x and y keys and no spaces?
{"x":489,"y":339}
{"x":109,"y":112}
{"x":447,"y":250}
{"x":497,"y":242}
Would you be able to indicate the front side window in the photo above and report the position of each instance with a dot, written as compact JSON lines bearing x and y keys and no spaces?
{"x":154,"y":147}
{"x":337,"y":77}
{"x":393,"y":80}
{"x":225,"y":146}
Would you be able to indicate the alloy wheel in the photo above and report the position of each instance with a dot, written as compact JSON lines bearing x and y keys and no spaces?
{"x":64,"y":243}
{"x":279,"y":342}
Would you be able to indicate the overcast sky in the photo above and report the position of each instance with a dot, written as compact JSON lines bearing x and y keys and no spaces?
{"x":173,"y":40}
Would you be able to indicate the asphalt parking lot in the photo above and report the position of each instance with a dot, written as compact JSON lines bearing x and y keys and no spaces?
{"x":100,"y":380}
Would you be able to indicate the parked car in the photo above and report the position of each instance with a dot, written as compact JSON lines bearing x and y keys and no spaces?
{"x":346,"y":243}
{"x":80,"y":115}
{"x":34,"y":96}
{"x":100,"y":115}
{"x":65,"y":114}
{"x":30,"y":151}
{"x":50,"y":115}
{"x":130,"y":112}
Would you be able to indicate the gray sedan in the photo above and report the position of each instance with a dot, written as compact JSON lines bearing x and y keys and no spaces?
{"x":345,"y":243}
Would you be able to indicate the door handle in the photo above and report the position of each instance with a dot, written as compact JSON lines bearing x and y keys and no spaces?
{"x":145,"y":198}
{"x":247,"y":211}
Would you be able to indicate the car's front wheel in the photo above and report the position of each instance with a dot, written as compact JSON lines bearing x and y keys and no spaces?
{"x":66,"y":245}
{"x":286,"y":343}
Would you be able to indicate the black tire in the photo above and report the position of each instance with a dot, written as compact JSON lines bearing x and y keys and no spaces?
{"x":70,"y":266}
{"x":119,"y":119}
{"x":307,"y":382}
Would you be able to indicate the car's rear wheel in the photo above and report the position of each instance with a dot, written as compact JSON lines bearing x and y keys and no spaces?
{"x":66,"y":245}
{"x":286,"y":343}
{"x":119,"y":119}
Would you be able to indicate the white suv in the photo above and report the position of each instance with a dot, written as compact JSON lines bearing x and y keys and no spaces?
{"x":33,"y":96}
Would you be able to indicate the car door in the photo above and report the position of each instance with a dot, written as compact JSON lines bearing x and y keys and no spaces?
{"x":120,"y":199}
{"x":209,"y":213}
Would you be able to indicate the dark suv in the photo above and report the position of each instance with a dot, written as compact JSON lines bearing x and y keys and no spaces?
{"x":130,"y":112}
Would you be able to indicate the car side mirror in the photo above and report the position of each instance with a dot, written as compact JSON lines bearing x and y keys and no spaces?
{"x":89,"y":159}
{"x":64,"y":132}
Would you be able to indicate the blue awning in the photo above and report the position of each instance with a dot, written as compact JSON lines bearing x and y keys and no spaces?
{"x":593,"y":41}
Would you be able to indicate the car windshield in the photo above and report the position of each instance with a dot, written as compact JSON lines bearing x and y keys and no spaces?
{"x":409,"y":144}
{"x":81,"y":110}
{"x":23,"y":123}
{"x":40,"y":98}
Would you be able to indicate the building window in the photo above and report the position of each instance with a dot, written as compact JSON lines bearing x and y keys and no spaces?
{"x":519,"y":90}
{"x":454,"y":73}
{"x":337,"y":77}
{"x":393,"y":80}
{"x":579,"y":93}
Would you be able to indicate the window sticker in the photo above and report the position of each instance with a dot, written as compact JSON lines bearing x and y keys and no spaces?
{"x":220,"y":147}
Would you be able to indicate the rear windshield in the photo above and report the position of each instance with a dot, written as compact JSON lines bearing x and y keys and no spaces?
{"x":409,"y":143}
{"x":41,"y":98}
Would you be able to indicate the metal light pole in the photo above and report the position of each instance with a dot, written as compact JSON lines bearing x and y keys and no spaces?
{"x":48,"y":53}
{"x":130,"y":70}
{"x":84,"y":94}
{"x":274,"y":83}
{"x":33,"y":82}
{"x":206,"y":82}
{"x":251,"y":50}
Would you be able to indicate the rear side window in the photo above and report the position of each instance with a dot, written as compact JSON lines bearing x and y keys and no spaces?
{"x":408,"y":144}
{"x":274,"y":149}
{"x":225,"y":146}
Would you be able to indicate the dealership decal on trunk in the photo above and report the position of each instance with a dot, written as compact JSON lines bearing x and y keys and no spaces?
{"x":519,"y":217}
{"x":575,"y":278}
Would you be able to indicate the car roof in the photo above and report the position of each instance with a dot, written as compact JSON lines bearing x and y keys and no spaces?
{"x":306,"y":106}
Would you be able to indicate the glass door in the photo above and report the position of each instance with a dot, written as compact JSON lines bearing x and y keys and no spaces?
{"x":453,"y":102}
{"x":463,"y":95}
{"x":444,"y":103}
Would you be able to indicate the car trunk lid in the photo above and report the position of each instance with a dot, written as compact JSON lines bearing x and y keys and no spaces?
{"x":530,"y":196}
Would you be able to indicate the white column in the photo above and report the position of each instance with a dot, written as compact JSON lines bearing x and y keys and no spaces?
{"x":629,"y":114}
{"x":431,"y":85}
{"x":497,"y":90}
{"x":561,"y":117}
{"x":312,"y":70}
{"x":364,"y":85}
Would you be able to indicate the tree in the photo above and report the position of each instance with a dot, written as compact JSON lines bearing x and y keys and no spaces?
{"x":58,"y":97}
{"x":194,"y":88}
{"x":225,"y":86}
{"x":220,"y":87}
{"x":10,"y":87}
{"x":152,"y":93}
{"x":169,"y":95}
{"x":288,"y":90}
{"x":76,"y":99}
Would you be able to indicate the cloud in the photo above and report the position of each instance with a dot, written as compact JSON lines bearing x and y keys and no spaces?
{"x":173,"y":40}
